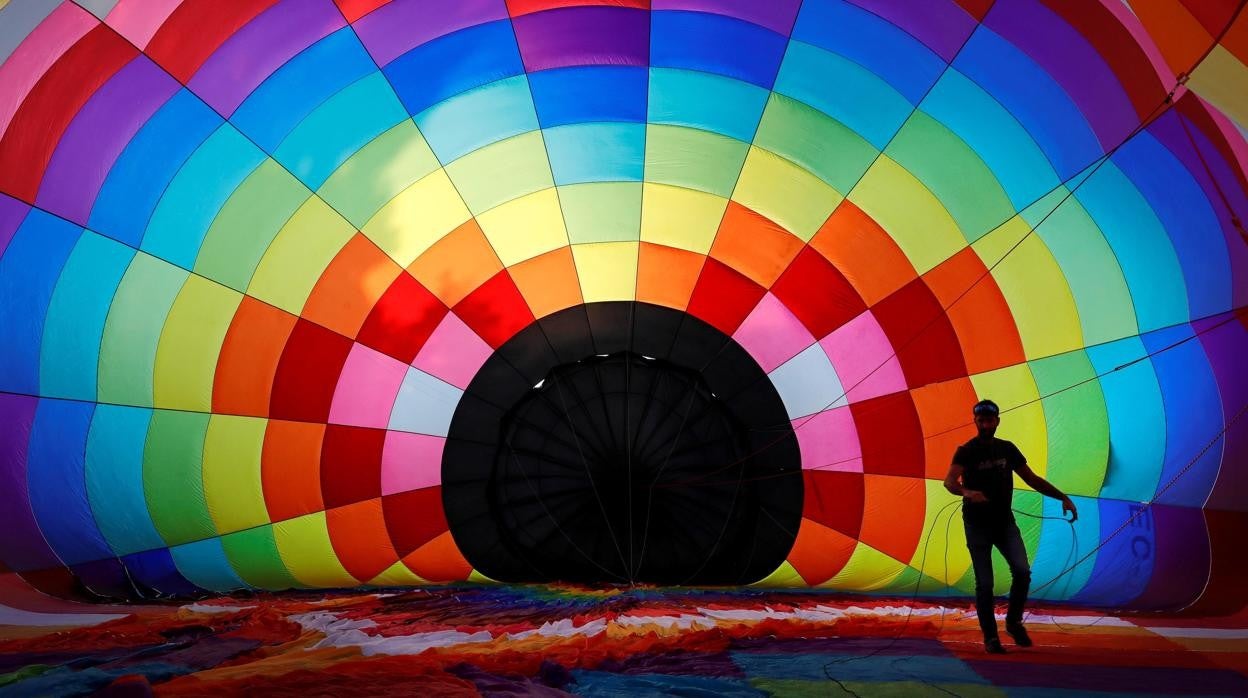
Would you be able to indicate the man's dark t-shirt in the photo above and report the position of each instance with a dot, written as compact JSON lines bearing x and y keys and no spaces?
{"x":988,"y":466}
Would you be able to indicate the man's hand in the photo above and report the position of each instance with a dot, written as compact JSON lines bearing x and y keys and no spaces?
{"x":974,"y":496}
{"x":1069,"y":506}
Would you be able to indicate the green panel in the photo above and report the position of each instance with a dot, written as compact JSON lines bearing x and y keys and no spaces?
{"x":253,"y":554}
{"x":954,"y":172}
{"x":694,"y":159}
{"x":132,"y":330}
{"x":1077,"y":422}
{"x":247,"y":224}
{"x":502,"y":171}
{"x":814,"y":140}
{"x":172,"y":476}
{"x":378,"y":172}
{"x":602,"y":211}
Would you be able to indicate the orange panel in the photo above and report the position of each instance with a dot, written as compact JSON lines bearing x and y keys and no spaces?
{"x":291,"y":468}
{"x":666,"y":275}
{"x":1178,"y":34}
{"x":945,"y":415}
{"x":457,"y":264}
{"x":548,"y":282}
{"x":754,"y":245}
{"x":358,"y":534}
{"x":892,"y":519}
{"x":863,"y":252}
{"x":819,"y":552}
{"x":439,"y":560}
{"x":981,"y":317}
{"x":350,"y":286}
{"x":249,"y":355}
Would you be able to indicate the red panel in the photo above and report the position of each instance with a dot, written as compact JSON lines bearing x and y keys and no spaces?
{"x":355,"y":9}
{"x":496,"y":311}
{"x":37,"y":126}
{"x":834,"y":499}
{"x":723,"y":297}
{"x":818,"y":293}
{"x":401,"y":322}
{"x":351,"y":464}
{"x":194,"y":30}
{"x":308,"y":372}
{"x":1225,"y":593}
{"x":524,"y":7}
{"x":891,"y":435}
{"x":414,"y":518}
{"x":917,"y":327}
{"x":978,"y":312}
{"x":976,"y":8}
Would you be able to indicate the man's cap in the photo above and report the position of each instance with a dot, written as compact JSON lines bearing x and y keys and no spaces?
{"x":986,"y":407}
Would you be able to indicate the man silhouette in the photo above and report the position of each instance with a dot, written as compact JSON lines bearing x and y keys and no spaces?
{"x":982,"y":473}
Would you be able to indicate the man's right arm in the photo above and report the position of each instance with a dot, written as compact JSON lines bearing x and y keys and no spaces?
{"x":953,"y":483}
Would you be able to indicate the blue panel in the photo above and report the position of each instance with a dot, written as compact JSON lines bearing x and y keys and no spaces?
{"x":295,"y":89}
{"x":1032,"y":97}
{"x":1141,"y":245}
{"x":455,"y":63}
{"x":845,"y":91}
{"x":1193,"y":415}
{"x":1123,"y":566}
{"x":596,"y":152}
{"x":146,"y":166}
{"x":58,"y":493}
{"x":114,"y":475}
{"x":156,"y":570}
{"x":707,"y":102}
{"x":589,"y":93}
{"x":79,"y":307}
{"x":196,"y":195}
{"x":715,"y":44}
{"x":1184,"y":210}
{"x":492,"y":113}
{"x":874,"y":43}
{"x":1137,"y":420}
{"x":28,"y":273}
{"x":1058,"y":540}
{"x":1015,"y":160}
{"x":338,"y":128}
{"x":204,"y":563}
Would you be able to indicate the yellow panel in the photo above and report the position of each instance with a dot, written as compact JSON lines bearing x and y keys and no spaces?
{"x":1035,"y":289}
{"x":1025,"y":426}
{"x":679,"y":217}
{"x":306,"y":551}
{"x":947,"y":558}
{"x":418,"y":217}
{"x":186,"y":358}
{"x":910,"y":213}
{"x":867,"y":569}
{"x":784,"y":577}
{"x":477,"y":578}
{"x":1220,"y":79}
{"x":607,"y":270}
{"x":298,"y":256}
{"x":232,"y":486}
{"x":397,"y":575}
{"x":784,"y":192}
{"x":525,"y":227}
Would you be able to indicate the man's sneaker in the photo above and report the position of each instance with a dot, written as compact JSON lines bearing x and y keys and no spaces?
{"x":1019,"y":633}
{"x":993,"y":646}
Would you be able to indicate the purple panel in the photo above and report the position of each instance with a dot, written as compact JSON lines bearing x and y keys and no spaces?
{"x":776,"y":15}
{"x":391,"y":31}
{"x":12,"y":213}
{"x":1071,"y":61}
{"x":105,"y":577}
{"x":97,"y":136}
{"x":1181,"y":562}
{"x":1226,"y":347}
{"x":22,"y":547}
{"x":940,"y":24}
{"x":261,"y":47}
{"x":584,"y":36}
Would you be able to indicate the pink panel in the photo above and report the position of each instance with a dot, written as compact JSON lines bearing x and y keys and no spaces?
{"x":37,"y":52}
{"x":367,"y":387}
{"x":138,"y":20}
{"x":856,"y":349}
{"x":453,"y":353}
{"x":410,"y":462}
{"x":772,"y":334}
{"x":829,"y":441}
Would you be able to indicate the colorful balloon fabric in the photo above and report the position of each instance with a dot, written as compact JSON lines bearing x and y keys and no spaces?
{"x":313,"y":293}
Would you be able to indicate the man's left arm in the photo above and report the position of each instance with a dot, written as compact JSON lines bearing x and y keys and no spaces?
{"x":1046,"y":488}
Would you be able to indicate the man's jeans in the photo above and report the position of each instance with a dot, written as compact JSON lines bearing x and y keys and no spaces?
{"x":980,"y":539}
